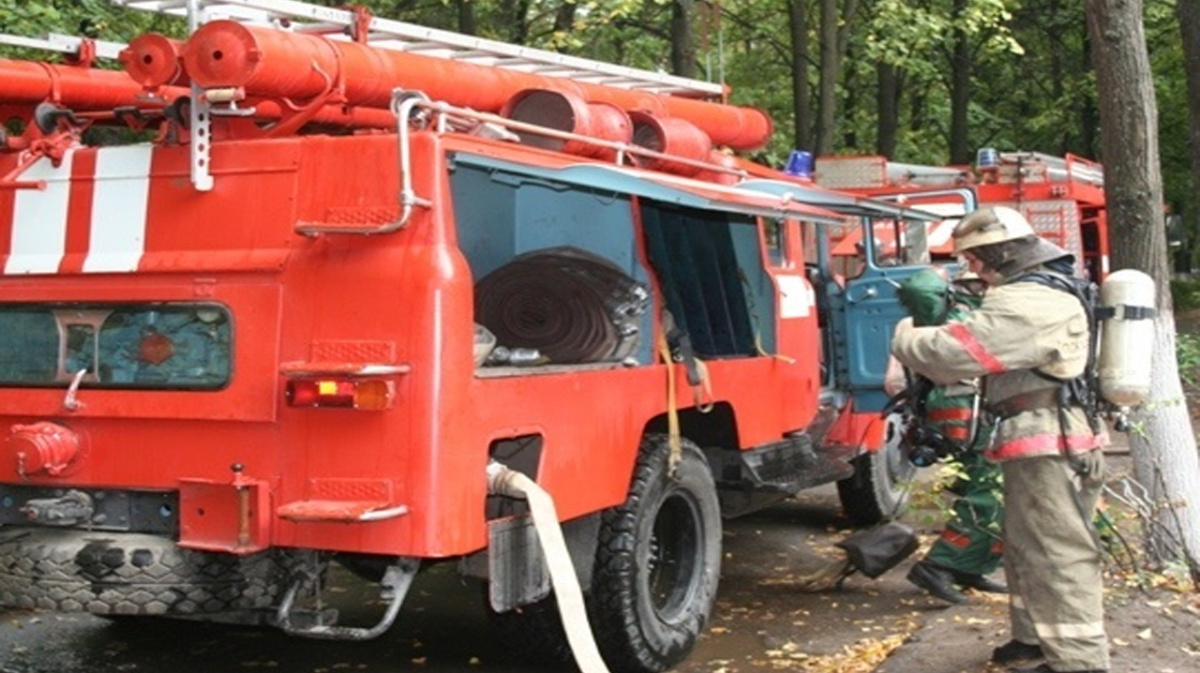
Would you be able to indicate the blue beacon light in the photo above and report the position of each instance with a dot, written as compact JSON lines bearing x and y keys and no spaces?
{"x":799,"y":164}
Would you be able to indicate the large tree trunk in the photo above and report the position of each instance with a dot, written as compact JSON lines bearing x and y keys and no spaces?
{"x":836,"y":20}
{"x":683,"y":40}
{"x":887,"y":104}
{"x":801,"y":106}
{"x":831,"y":71}
{"x":1189,"y":26}
{"x":1165,"y":460}
{"x":960,"y":89}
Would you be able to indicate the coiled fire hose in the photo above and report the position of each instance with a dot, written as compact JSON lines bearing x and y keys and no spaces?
{"x":570,"y":305}
{"x":511,"y":483}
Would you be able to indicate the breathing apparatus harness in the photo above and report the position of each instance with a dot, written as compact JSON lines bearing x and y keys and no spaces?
{"x":1082,"y":391}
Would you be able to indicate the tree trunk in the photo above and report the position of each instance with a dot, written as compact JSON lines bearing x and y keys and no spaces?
{"x":836,"y":20}
{"x":683,"y":38}
{"x":1165,"y":459}
{"x":515,"y":15}
{"x":830,"y":73}
{"x":1189,"y":26}
{"x":887,"y":103}
{"x":467,"y":23}
{"x":801,"y":111}
{"x":960,"y":89}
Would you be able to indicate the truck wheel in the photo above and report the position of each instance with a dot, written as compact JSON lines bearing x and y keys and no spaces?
{"x":879,"y":489}
{"x":658,"y":562}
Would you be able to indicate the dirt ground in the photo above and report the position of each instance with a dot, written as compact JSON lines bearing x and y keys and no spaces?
{"x":765,"y":621}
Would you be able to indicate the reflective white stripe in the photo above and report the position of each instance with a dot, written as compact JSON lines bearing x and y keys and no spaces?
{"x":1060,"y":631}
{"x":118,"y":231}
{"x":39,"y":233}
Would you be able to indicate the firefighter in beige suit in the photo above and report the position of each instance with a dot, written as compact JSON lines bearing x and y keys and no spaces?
{"x":1029,"y":338}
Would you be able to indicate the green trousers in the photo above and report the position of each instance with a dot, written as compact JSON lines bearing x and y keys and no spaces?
{"x":971,"y":543}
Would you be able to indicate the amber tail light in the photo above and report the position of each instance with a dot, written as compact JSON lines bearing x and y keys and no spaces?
{"x":341,"y":392}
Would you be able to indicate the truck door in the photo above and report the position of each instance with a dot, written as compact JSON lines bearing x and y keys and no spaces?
{"x":888,"y":252}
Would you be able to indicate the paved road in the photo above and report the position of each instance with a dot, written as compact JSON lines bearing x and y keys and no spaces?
{"x":760,"y":618}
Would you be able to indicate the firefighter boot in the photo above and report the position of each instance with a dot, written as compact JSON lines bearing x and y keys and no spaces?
{"x":937,"y":581}
{"x":1015,"y":651}
{"x":1045,"y":668}
{"x":979,"y":583}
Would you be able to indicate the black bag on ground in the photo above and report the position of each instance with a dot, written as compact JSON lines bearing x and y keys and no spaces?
{"x":877,"y":550}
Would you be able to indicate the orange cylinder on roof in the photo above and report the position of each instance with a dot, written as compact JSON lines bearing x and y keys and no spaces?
{"x":275,"y":63}
{"x":154,"y":60}
{"x":68,"y":85}
{"x":89,"y":90}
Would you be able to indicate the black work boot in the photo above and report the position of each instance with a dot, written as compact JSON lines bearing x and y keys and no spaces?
{"x":1014,"y":651}
{"x":937,"y":581}
{"x":1045,"y":668}
{"x":979,"y":583}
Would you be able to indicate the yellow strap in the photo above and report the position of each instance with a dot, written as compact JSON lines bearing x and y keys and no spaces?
{"x":754,"y":321}
{"x":762,"y":351}
{"x":675,"y":447}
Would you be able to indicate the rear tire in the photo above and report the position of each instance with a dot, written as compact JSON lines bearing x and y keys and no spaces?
{"x":879,"y":489}
{"x":658,"y":562}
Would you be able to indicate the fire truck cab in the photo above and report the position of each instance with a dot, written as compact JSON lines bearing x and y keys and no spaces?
{"x":365,"y":293}
{"x":1062,"y":197}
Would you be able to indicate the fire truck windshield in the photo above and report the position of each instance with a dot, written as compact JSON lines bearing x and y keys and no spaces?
{"x":170,"y":346}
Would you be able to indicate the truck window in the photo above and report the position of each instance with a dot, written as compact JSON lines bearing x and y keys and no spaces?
{"x":504,"y":217}
{"x":167,"y":346}
{"x":775,"y":232}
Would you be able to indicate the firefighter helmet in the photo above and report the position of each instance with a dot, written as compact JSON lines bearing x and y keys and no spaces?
{"x":987,"y":226}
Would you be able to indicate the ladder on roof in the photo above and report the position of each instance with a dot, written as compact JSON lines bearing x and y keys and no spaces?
{"x":64,"y":44}
{"x":390,"y":34}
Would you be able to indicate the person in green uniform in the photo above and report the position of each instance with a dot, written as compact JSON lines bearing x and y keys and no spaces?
{"x":970,"y":546}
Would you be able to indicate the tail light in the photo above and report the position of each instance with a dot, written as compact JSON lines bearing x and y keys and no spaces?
{"x":341,"y":392}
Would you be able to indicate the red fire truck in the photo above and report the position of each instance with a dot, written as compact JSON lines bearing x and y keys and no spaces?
{"x":1062,"y":197}
{"x":311,"y":287}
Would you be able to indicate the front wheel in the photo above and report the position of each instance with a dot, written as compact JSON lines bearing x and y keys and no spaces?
{"x":879,"y":489}
{"x":658,"y":562}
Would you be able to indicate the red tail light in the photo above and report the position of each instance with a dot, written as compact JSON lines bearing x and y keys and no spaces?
{"x":346,"y":393}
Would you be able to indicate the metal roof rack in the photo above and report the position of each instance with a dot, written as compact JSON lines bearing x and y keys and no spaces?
{"x":397,"y":35}
{"x":65,"y":44}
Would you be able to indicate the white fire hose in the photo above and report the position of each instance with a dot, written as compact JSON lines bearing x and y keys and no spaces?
{"x":503,"y":481}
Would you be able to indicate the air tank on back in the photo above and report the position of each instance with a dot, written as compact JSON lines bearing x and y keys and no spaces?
{"x":1126,"y":337}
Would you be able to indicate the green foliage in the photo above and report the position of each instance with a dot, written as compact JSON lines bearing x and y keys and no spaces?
{"x":1187,"y":351}
{"x":1032,"y":87}
{"x":1185,"y":294}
